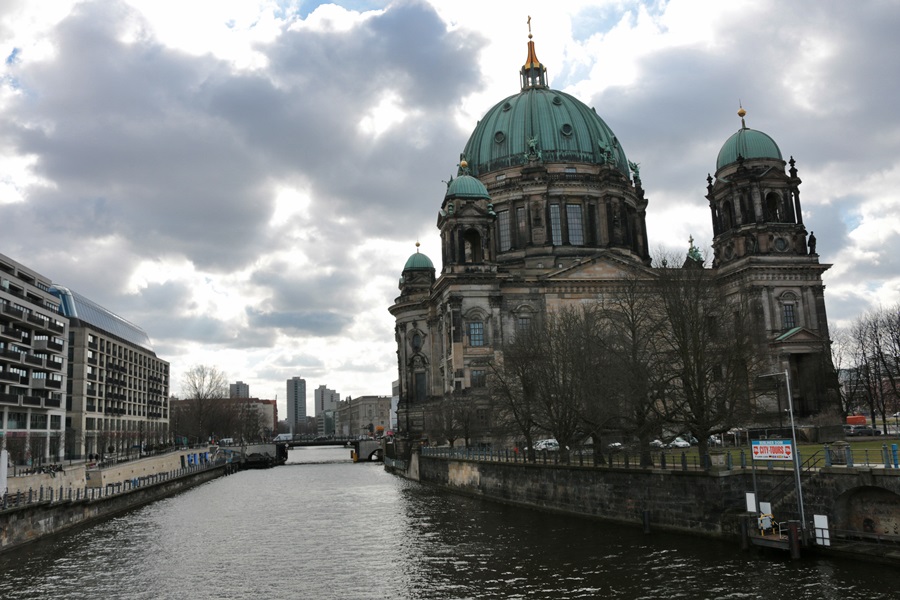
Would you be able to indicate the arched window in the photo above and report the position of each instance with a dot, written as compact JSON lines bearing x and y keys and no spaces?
{"x":727,"y":216}
{"x":473,"y":251}
{"x":774,"y":208}
{"x":789,"y":313}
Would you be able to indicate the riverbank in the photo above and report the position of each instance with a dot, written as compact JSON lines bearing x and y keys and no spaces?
{"x":861,"y":502}
{"x":46,"y":504}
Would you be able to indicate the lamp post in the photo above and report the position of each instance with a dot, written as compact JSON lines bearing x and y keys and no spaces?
{"x":787,"y":381}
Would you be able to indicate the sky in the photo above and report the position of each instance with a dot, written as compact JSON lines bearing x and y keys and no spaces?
{"x":245,"y":179}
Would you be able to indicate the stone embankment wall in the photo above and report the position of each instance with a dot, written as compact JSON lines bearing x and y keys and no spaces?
{"x":89,"y":475}
{"x":701,"y":502}
{"x":29,"y":522}
{"x":861,"y":498}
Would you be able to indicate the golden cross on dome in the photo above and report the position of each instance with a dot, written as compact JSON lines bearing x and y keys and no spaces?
{"x":529,"y":26}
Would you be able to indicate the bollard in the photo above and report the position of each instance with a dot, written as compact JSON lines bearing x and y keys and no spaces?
{"x":794,"y":539}
{"x":646,"y":520}
{"x":745,"y":535}
{"x":662,"y":460}
{"x":894,"y":453}
{"x":849,"y":453}
{"x":827,"y":455}
{"x":743,"y":460}
{"x":683,"y":461}
{"x":728,"y":463}
{"x":885,"y":456}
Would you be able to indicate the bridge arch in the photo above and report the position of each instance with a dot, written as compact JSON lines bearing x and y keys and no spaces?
{"x":868,"y":509}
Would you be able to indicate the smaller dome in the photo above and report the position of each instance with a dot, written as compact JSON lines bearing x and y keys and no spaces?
{"x":748,"y":143}
{"x":418,"y":261}
{"x":466,"y":186}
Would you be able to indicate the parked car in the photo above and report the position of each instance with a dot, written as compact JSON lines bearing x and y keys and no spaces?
{"x":615,"y":447}
{"x":715,"y":440}
{"x":548,"y":445}
{"x":857,"y":430}
{"x":657,"y":444}
{"x":679,"y":442}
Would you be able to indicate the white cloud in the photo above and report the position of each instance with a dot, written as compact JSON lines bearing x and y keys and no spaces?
{"x":246,"y":182}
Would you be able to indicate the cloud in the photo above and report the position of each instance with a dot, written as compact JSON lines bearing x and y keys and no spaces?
{"x":245,"y":181}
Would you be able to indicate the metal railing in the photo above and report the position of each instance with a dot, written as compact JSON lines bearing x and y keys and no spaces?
{"x":674,"y":459}
{"x":54,"y":494}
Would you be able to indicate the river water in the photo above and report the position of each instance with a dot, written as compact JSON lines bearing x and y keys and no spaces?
{"x":323,"y":527}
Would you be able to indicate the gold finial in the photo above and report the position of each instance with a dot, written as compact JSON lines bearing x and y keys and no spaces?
{"x":529,"y":27}
{"x":417,"y":246}
{"x":741,"y":112}
{"x":463,"y":164}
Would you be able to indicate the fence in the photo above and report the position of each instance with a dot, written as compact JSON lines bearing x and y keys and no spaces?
{"x":51,"y":494}
{"x":828,"y":456}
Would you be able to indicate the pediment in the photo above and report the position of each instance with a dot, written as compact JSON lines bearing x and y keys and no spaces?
{"x":607,"y":266}
{"x":797,"y":335}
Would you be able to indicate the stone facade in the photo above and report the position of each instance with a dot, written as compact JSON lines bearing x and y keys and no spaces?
{"x":553,"y":222}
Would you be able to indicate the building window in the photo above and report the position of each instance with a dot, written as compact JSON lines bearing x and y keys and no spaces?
{"x":555,"y":225}
{"x":576,"y":227}
{"x":522,"y":324}
{"x":503,"y":230}
{"x":476,"y":333}
{"x":790,"y":320}
{"x":479,"y":378}
{"x":420,"y":386}
{"x":521,"y":227}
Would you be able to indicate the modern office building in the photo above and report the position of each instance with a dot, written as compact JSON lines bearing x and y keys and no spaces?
{"x":239,"y":389}
{"x":33,"y":338}
{"x":118,"y":389}
{"x":296,"y":402}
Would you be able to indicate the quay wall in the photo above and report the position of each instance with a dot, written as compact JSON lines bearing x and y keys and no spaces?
{"x":706,"y":502}
{"x":82,"y":475}
{"x":697,"y":501}
{"x":27,"y":523}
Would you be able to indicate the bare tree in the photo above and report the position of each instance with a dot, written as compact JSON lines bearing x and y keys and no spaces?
{"x":708,"y":352}
{"x":633,"y":378}
{"x":513,"y":389}
{"x":203,"y":388}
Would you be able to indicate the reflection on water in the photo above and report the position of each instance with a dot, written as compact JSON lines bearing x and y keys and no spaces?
{"x":323,"y":527}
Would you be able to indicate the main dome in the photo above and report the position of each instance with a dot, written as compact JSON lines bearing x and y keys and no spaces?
{"x":541,"y":122}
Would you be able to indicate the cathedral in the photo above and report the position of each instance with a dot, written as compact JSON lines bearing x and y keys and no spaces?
{"x":547,"y":211}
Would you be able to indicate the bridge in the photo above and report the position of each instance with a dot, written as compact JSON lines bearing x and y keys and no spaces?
{"x":361,"y":450}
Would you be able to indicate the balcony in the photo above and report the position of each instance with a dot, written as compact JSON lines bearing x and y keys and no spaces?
{"x":31,"y":359}
{"x":9,"y":399}
{"x":11,"y":333}
{"x":13,"y":355}
{"x":8,"y":376}
{"x":12,"y":311}
{"x":52,"y":402}
{"x":47,"y":345}
{"x":31,"y":400}
{"x":56,"y":327}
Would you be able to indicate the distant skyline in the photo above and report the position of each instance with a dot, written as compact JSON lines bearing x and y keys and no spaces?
{"x":245,"y":180}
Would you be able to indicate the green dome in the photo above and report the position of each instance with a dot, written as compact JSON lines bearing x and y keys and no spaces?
{"x":747,"y":143}
{"x":466,"y":186}
{"x":418,"y":261}
{"x":563,"y":128}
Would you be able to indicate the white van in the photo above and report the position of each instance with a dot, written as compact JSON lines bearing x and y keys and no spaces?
{"x":226,"y":442}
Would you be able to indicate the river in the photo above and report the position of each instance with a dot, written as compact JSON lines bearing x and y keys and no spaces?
{"x":321,"y":527}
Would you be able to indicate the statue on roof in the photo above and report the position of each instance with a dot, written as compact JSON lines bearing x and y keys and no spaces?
{"x":694,"y":252}
{"x":812,"y":243}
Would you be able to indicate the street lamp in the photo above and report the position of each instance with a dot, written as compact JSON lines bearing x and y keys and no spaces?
{"x":787,"y":381}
